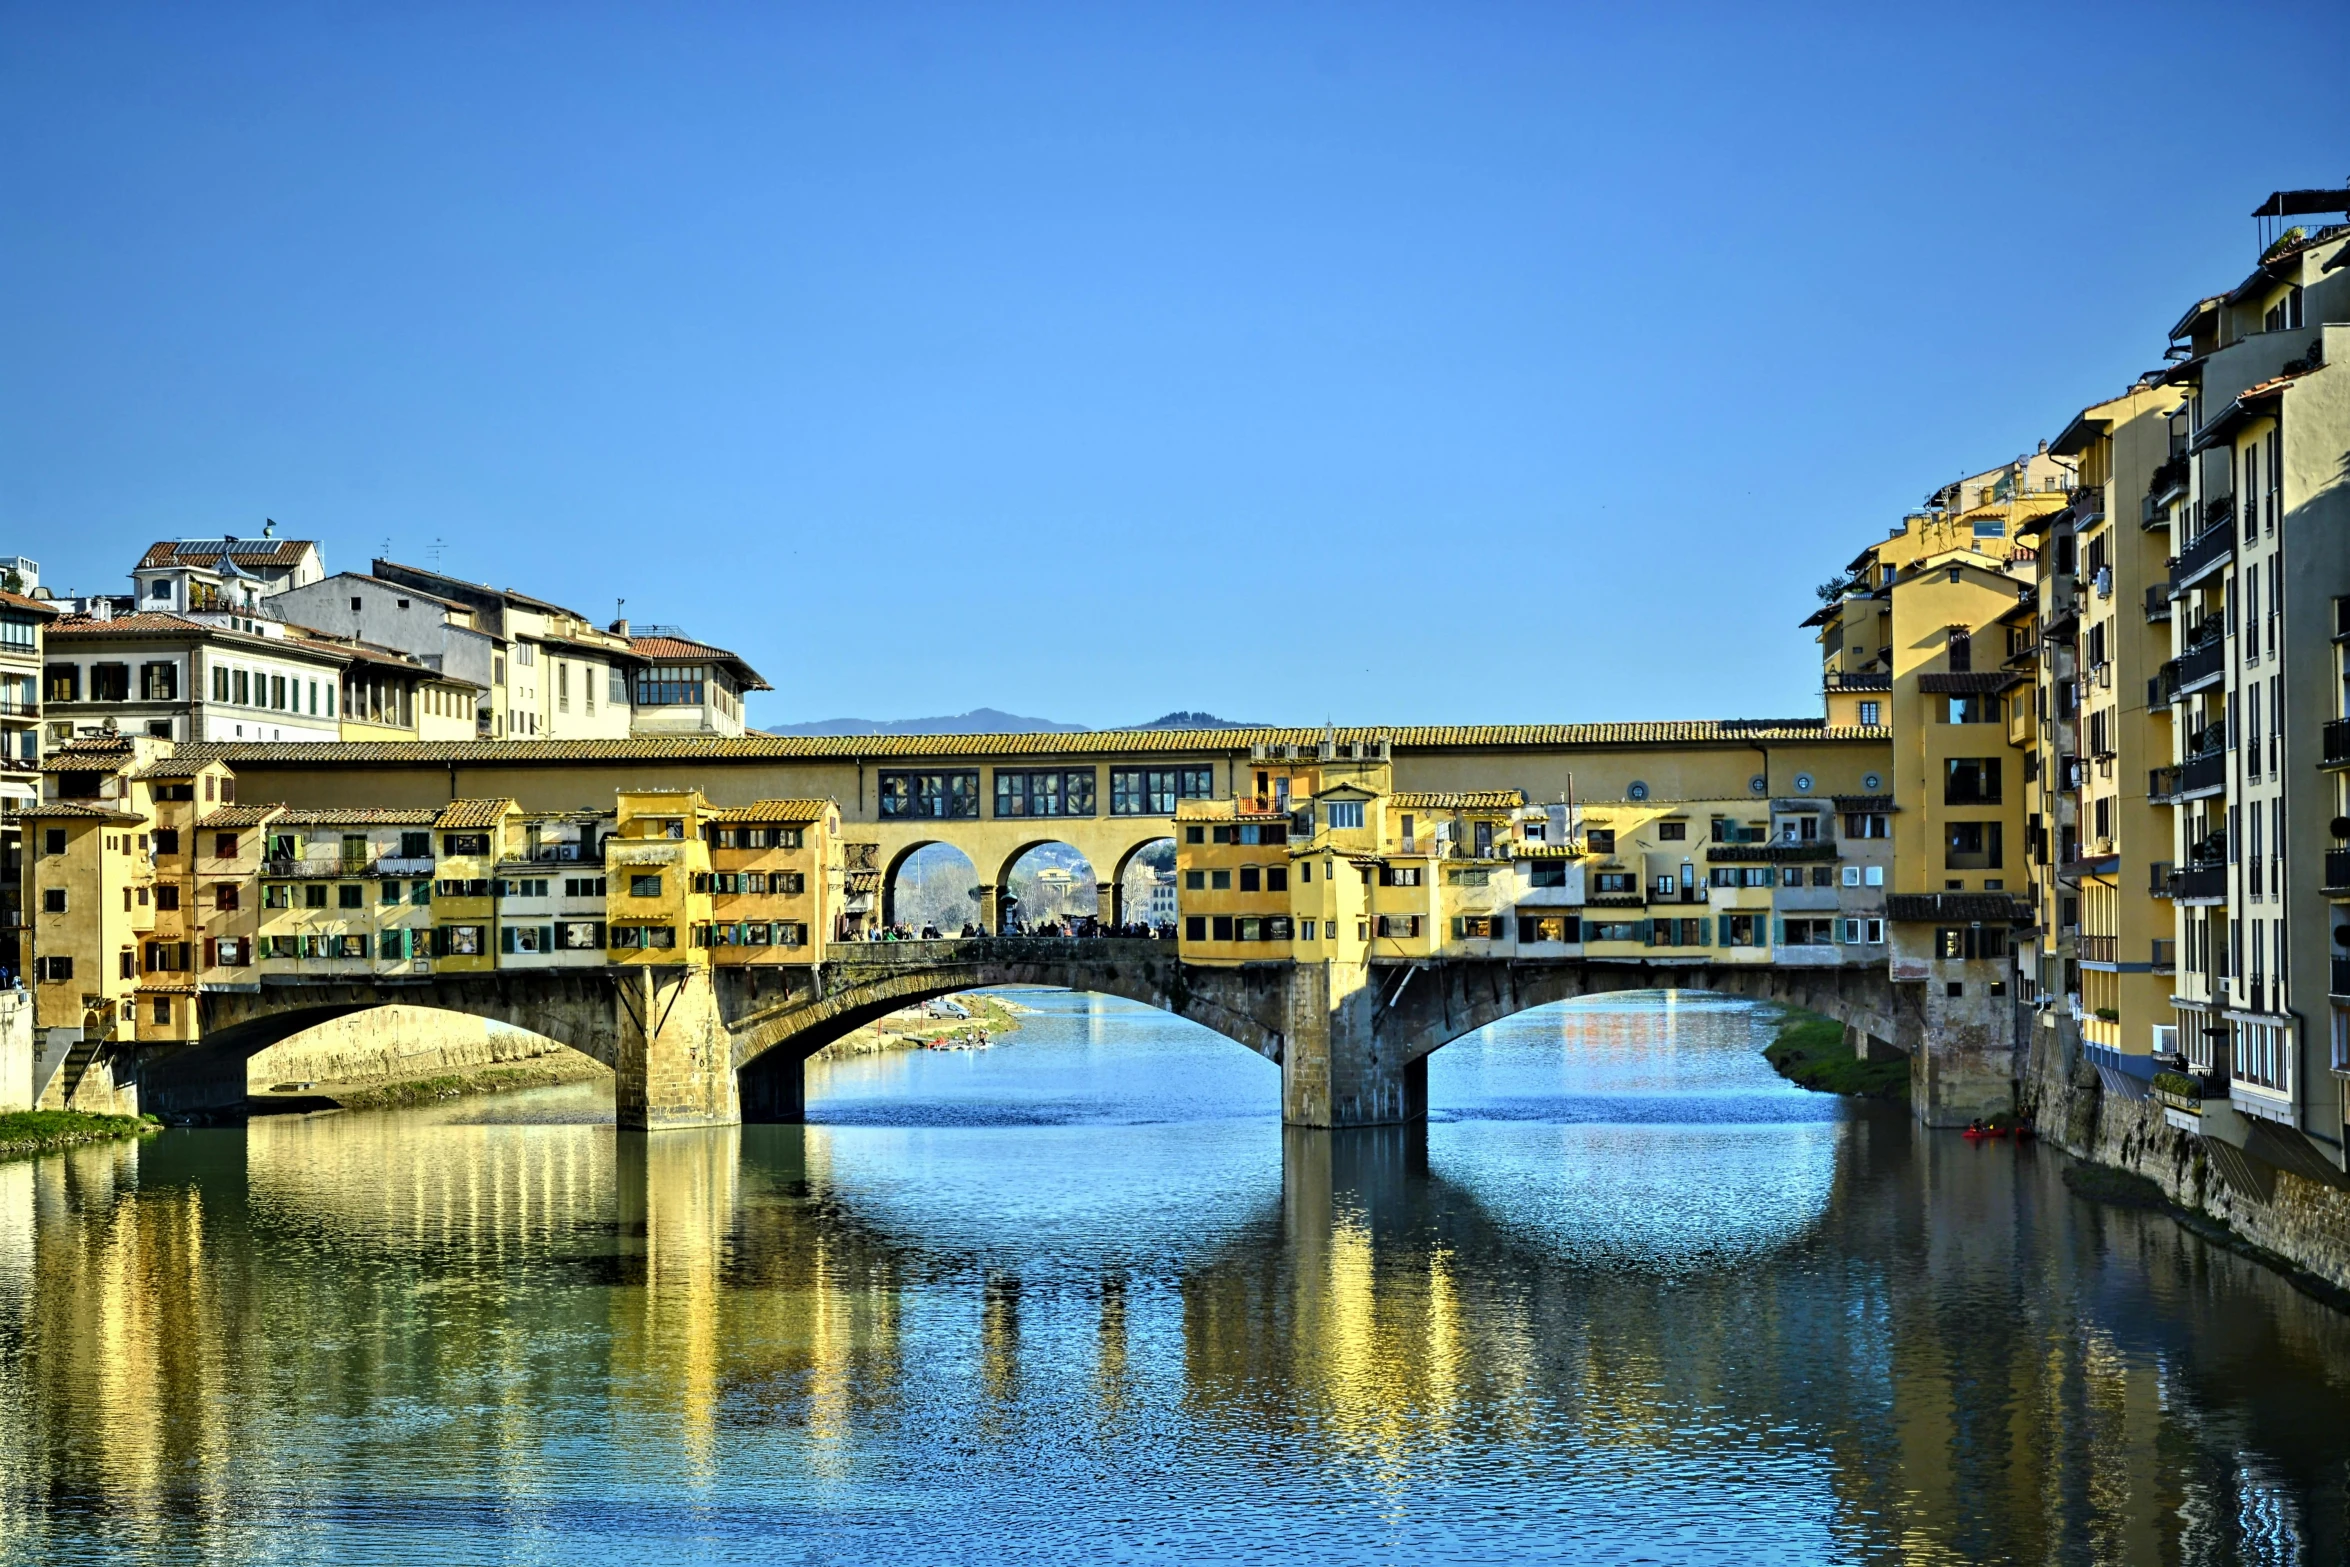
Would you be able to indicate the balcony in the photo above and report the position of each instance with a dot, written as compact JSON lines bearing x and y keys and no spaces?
{"x":2158,"y":878}
{"x":2088,"y":503}
{"x":2161,"y":784}
{"x":2204,"y":775}
{"x":2157,"y":603}
{"x":2169,"y":479}
{"x":11,"y":707}
{"x":2202,"y":665}
{"x":2337,"y":743}
{"x":2200,"y":884}
{"x":2096,"y":949}
{"x":2166,"y":956}
{"x":2211,"y":550}
{"x":2340,"y":985}
{"x":2337,"y":873}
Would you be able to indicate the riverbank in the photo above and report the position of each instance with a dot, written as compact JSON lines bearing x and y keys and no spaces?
{"x":2298,"y":1226}
{"x":914,"y":1027}
{"x":401,"y":1094}
{"x":1810,"y":1052}
{"x":25,"y":1132}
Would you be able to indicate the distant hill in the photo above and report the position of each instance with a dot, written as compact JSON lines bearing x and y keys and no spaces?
{"x":1192,"y":721}
{"x":986,"y":721}
{"x":979,"y":721}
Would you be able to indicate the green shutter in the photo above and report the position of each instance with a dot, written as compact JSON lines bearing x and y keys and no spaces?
{"x":1705,"y":931}
{"x":1778,"y":933}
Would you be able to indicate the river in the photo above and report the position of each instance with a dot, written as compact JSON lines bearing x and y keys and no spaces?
{"x":1627,"y":1297}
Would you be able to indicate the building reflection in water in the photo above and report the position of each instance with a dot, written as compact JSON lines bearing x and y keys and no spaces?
{"x":1837,"y":1337}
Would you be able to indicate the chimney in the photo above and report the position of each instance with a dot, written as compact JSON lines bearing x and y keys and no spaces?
{"x":620,"y":628}
{"x":101,"y":608}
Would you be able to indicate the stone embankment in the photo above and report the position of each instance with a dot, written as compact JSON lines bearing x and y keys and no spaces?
{"x":1812,"y":1052}
{"x":915,"y":1028}
{"x":2302,"y":1227}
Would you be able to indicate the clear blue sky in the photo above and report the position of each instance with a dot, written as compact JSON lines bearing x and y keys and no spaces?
{"x":1367,"y":362}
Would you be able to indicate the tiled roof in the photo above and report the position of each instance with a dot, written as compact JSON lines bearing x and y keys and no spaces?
{"x":149,"y":623}
{"x":1471,"y":800}
{"x":1948,"y":907}
{"x":1978,"y":682}
{"x":238,"y":816}
{"x":169,"y":767}
{"x":680,"y":650}
{"x":79,"y":810}
{"x":207,"y":552}
{"x":1863,"y":802}
{"x":774,"y":811}
{"x":473,"y":813}
{"x":460,"y":585}
{"x":37,"y":606}
{"x":1101,"y":742}
{"x":363,"y":816}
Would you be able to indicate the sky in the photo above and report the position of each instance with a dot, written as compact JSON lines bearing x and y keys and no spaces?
{"x":1369,"y":363}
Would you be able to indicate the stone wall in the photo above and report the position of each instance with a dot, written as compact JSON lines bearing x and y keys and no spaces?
{"x":2303,"y":1222}
{"x":393,"y":1044}
{"x":16,"y":1050}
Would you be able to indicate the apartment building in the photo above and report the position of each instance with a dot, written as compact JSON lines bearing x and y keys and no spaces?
{"x":24,"y":621}
{"x":685,"y":687}
{"x":439,"y":633}
{"x":553,"y":674}
{"x":224,"y":576}
{"x":175,"y":677}
{"x":2260,"y":526}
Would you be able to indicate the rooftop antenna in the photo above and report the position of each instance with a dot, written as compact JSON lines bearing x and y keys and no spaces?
{"x":434,"y":552}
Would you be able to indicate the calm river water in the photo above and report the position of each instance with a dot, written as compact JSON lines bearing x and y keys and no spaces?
{"x":1629,"y":1297}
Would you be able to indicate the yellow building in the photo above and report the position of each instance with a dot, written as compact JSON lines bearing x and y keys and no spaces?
{"x":471,"y":837}
{"x":775,"y":881}
{"x":657,"y":869}
{"x":345,"y":892}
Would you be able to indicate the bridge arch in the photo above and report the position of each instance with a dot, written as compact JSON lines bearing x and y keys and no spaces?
{"x":1028,"y":910}
{"x":896,"y":909}
{"x":1131,"y":910}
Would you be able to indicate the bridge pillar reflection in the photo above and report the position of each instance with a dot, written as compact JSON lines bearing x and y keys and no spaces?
{"x":675,"y":1200}
{"x":675,"y":1061}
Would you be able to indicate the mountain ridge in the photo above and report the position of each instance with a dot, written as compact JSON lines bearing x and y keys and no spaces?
{"x":991,"y":721}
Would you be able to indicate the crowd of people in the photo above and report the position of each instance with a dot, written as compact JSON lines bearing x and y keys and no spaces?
{"x":1077,"y":928}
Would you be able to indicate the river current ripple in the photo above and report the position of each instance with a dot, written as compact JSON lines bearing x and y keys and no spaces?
{"x":1626,"y":1298}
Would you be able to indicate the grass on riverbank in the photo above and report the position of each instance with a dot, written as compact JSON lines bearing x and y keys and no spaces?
{"x":906,"y":1030}
{"x":1810,"y":1052}
{"x":43,"y":1131}
{"x":546,"y":1072}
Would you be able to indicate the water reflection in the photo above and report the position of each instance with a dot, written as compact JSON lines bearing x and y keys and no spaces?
{"x":1628,"y":1297}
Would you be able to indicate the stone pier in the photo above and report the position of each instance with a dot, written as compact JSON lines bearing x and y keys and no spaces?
{"x":675,"y":1061}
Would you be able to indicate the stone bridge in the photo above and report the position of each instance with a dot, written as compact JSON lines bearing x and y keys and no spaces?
{"x":696,"y":1045}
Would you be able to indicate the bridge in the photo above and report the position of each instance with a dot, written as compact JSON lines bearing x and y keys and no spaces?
{"x":693,"y":1045}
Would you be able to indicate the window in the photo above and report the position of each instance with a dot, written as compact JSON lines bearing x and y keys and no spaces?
{"x":314,"y":895}
{"x":225,"y":896}
{"x":1970,"y":780}
{"x":1276,"y":878}
{"x":1195,"y":881}
{"x":1476,"y":927}
{"x":584,"y":887}
{"x":1672,"y":832}
{"x":1972,"y":846}
{"x":1219,"y":881}
{"x":56,"y":968}
{"x":52,"y":900}
{"x":670,"y":685}
{"x":579,"y":935}
{"x":1249,"y":879}
{"x":1966,"y":943}
{"x":350,"y":895}
{"x":562,"y":686}
{"x":1871,"y":714}
{"x":159,"y":682}
{"x":1602,"y":840}
{"x":61,"y":683}
{"x":644,"y":886}
{"x":457,"y":843}
{"x":1867,"y":825}
{"x":1398,"y":925}
{"x":167,"y":895}
{"x":277,"y":895}
{"x":937,"y":796}
{"x":1153,"y":791}
{"x":1975,"y":710}
{"x":110,"y":682}
{"x":458,"y":941}
{"x":1547,"y":873}
{"x":1618,"y":882}
{"x":1346,"y":813}
{"x":1045,"y":793}
{"x":1399,"y":875}
{"x":1550,"y":927}
{"x":1742,"y":930}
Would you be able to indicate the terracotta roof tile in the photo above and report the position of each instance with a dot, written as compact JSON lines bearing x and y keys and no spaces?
{"x":78,"y":810}
{"x":238,"y":816}
{"x":37,"y":606}
{"x":208,"y":552}
{"x":1103,"y":742}
{"x":1472,"y":800}
{"x":473,"y":813}
{"x":684,"y":650}
{"x":774,"y":811}
{"x":362,"y":816}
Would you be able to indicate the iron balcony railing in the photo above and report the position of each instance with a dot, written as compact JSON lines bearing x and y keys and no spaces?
{"x":2337,"y":870}
{"x":2161,"y":783}
{"x":2096,"y":949}
{"x":2157,"y":603}
{"x":2337,"y":741}
{"x":2158,"y":878}
{"x":2341,"y":987}
{"x":2204,"y":775}
{"x":2205,"y":661}
{"x":2169,"y":475}
{"x":2166,"y":955}
{"x":2200,"y":881}
{"x":2208,"y":549}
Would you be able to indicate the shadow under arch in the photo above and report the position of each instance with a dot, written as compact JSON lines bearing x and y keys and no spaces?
{"x":575,"y":1011}
{"x":1245,"y":1006}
